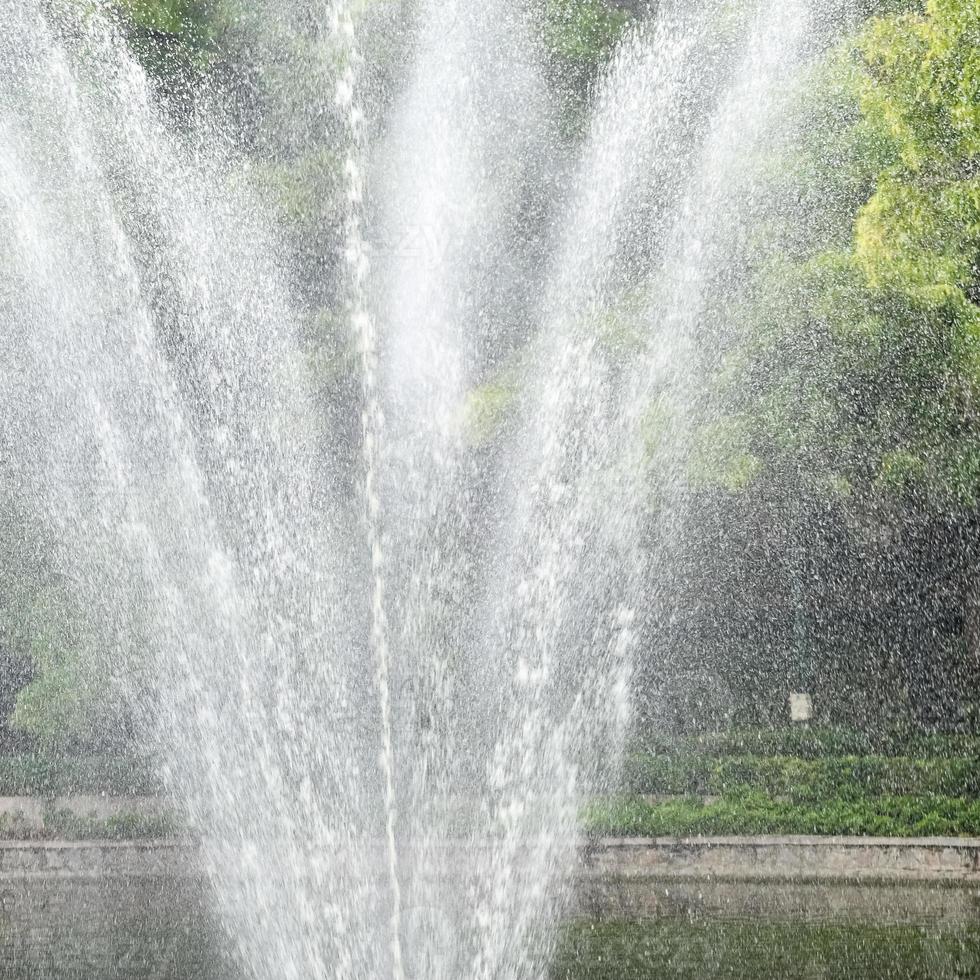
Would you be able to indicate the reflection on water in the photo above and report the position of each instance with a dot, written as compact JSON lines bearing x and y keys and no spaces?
{"x":109,"y":929}
{"x":161,"y":929}
{"x":733,"y":950}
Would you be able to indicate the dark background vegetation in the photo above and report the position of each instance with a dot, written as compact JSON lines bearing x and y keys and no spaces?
{"x":830,"y":536}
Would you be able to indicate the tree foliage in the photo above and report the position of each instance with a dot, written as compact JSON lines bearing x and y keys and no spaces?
{"x":850,"y":385}
{"x":836,"y":466}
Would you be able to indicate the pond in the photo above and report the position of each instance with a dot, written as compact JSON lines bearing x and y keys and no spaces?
{"x":162,"y":929}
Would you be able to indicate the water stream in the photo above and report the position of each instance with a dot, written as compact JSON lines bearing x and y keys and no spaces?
{"x":385,"y":663}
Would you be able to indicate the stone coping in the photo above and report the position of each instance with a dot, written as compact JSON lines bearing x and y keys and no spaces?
{"x":854,"y":860}
{"x":844,"y":859}
{"x":813,"y":840}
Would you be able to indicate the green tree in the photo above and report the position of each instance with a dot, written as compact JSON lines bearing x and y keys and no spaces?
{"x":850,"y":394}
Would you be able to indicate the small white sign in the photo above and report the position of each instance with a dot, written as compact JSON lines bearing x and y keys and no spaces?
{"x":800,"y":707}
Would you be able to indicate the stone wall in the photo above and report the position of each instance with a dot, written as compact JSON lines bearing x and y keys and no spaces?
{"x":952,"y":860}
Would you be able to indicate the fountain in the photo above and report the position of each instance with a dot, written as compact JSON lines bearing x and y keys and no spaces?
{"x":380,"y":699}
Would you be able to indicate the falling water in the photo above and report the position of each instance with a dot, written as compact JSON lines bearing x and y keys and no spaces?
{"x":373,"y":437}
{"x":381,"y":711}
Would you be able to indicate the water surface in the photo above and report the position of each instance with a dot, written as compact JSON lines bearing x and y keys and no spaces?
{"x":161,"y":929}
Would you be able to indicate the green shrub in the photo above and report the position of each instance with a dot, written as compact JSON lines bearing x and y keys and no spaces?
{"x":42,"y":775}
{"x":803,"y":780}
{"x":813,"y":743}
{"x":755,"y":814}
{"x":65,"y":825}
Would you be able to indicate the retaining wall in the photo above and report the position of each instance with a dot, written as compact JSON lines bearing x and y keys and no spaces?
{"x":857,"y":860}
